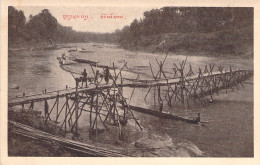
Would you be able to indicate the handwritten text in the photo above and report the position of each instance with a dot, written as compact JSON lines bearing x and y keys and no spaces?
{"x":85,"y":17}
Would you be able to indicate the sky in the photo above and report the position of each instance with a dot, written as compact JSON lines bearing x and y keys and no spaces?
{"x":88,"y":19}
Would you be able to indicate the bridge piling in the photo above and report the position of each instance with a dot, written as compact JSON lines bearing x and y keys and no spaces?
{"x":105,"y":103}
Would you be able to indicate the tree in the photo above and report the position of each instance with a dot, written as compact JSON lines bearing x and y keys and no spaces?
{"x":42,"y":26}
{"x":16,"y":23}
{"x":186,"y":20}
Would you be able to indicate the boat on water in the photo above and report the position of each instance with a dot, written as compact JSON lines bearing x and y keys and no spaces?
{"x":82,"y":50}
{"x":85,"y":51}
{"x":64,"y":60}
{"x":78,"y":60}
{"x":73,"y":50}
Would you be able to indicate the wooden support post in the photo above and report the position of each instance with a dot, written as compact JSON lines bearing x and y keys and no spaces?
{"x":190,"y":73}
{"x":48,"y":117}
{"x":154,"y":95}
{"x":31,"y":106}
{"x":46,"y":109}
{"x":182,"y":83}
{"x":176,"y":92}
{"x":133,"y":89}
{"x":206,"y":69}
{"x":182,"y":86}
{"x":168,"y":94}
{"x":65,"y":104}
{"x":69,"y":113}
{"x":114,"y":106}
{"x":23,"y":103}
{"x":116,"y":76}
{"x":121,"y":78}
{"x":76,"y":110}
{"x":107,"y":105}
{"x":104,"y":101}
{"x":160,"y":101}
{"x":90,"y":114}
{"x":57,"y":112}
{"x":66,"y":111}
{"x":118,"y":119}
{"x":187,"y":99}
{"x":96,"y":109}
{"x":129,"y":110}
{"x":225,"y":80}
{"x":78,"y":116}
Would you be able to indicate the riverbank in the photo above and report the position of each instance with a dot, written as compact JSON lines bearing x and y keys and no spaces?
{"x":40,"y":45}
{"x":23,"y":146}
{"x":205,"y":49}
{"x":227,"y":43}
{"x":248,"y":56}
{"x":135,"y":143}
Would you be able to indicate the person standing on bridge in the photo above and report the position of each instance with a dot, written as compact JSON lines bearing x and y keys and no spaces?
{"x":84,"y":77}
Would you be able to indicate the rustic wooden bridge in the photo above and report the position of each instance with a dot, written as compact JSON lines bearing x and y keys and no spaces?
{"x":238,"y":77}
{"x":105,"y":103}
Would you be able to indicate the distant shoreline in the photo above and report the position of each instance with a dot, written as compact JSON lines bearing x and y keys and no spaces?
{"x":24,"y":47}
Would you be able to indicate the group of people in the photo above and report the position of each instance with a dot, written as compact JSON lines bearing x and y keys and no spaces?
{"x":84,"y":76}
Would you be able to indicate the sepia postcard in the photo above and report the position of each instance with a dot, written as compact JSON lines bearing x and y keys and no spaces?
{"x":154,"y":82}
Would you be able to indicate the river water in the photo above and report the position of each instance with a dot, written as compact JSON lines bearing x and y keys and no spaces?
{"x":229,"y":131}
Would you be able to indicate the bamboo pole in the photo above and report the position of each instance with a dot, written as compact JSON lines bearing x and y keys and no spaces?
{"x":76,"y":113}
{"x":51,"y":111}
{"x":65,"y":118}
{"x":69,"y":113}
{"x":57,"y":107}
{"x":46,"y":109}
{"x":60,"y":111}
{"x":90,"y":115}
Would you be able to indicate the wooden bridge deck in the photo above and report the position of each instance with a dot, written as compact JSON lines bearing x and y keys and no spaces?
{"x":137,"y":84}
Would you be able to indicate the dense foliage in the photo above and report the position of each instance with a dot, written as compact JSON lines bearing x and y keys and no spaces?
{"x":44,"y":27}
{"x":16,"y":24}
{"x":185,"y":20}
{"x":192,"y":29}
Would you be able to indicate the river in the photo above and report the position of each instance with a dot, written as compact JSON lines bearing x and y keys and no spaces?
{"x":229,"y":132}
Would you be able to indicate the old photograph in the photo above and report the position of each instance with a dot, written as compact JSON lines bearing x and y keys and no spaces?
{"x":168,"y":81}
